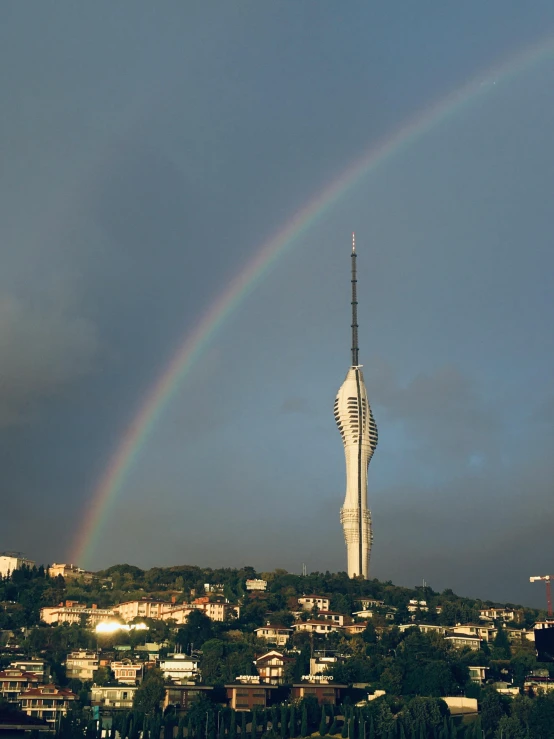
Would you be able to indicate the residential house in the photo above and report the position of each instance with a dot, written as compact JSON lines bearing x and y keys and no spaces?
{"x":38,"y":667}
{"x":309,"y":602}
{"x":505,"y":688}
{"x":274,"y":634}
{"x":501,"y":614}
{"x":367,"y":603}
{"x":477,"y":674}
{"x":81,"y":664}
{"x":459,"y":641}
{"x":113,"y":696}
{"x":256,"y":584}
{"x":417,"y":605}
{"x":424,"y":628}
{"x":47,"y":702}
{"x":317,"y":627}
{"x":321,"y":663}
{"x":334,"y":616}
{"x":486,"y":633}
{"x":127,"y":672}
{"x":271,"y":667}
{"x":357,"y":628}
{"x":13,"y":682}
{"x":179,"y":668}
{"x":70,"y":572}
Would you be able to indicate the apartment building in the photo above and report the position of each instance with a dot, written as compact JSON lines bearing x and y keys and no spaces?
{"x":47,"y":702}
{"x":309,"y":602}
{"x":14,"y":682}
{"x":274,"y":634}
{"x":81,"y":664}
{"x":316,"y":627}
{"x":11,"y":561}
{"x":73,"y":612}
{"x":271,"y":667}
{"x":127,"y":672}
{"x":145,"y":608}
{"x":113,"y":697}
{"x":179,"y":668}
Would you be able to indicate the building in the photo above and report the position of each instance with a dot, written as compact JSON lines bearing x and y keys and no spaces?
{"x":47,"y":702}
{"x":248,"y":695}
{"x":357,"y":628}
{"x":309,"y":602}
{"x":486,"y":633}
{"x":459,"y":641}
{"x":424,"y":628}
{"x":273,"y":634}
{"x":366,"y":603}
{"x":145,"y":608}
{"x":271,"y":667}
{"x":256,"y":584}
{"x":334,"y":616}
{"x":538,"y":682}
{"x":127,"y":672}
{"x":477,"y":673}
{"x":113,"y":697}
{"x":322,"y":689}
{"x":183,"y":696}
{"x":359,"y":437}
{"x":81,"y":664}
{"x":501,"y":614}
{"x":73,"y":612}
{"x":13,"y":682}
{"x":417,"y":605}
{"x":37,"y":667}
{"x":320,"y":664}
{"x":11,"y":561}
{"x":317,"y":627}
{"x":179,"y":668}
{"x":70,"y":572}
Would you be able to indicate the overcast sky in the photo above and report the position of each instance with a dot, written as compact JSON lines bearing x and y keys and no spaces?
{"x":148,"y":150}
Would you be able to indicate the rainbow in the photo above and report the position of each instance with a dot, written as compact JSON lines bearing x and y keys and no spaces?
{"x":245,"y":281}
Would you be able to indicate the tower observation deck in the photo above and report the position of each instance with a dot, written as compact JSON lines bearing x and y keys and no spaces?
{"x":359,"y":437}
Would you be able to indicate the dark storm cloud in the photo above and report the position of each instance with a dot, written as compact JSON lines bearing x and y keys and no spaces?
{"x":45,"y":347}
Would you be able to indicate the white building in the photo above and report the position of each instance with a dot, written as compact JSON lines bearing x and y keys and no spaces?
{"x":74,"y":613}
{"x":81,"y":664}
{"x":273,"y":634}
{"x":316,"y":627}
{"x":256,"y":584}
{"x":417,"y":605}
{"x":10,"y":561}
{"x":141,"y":609}
{"x":309,"y":602}
{"x":70,"y":572}
{"x":113,"y":697}
{"x":358,"y":430}
{"x":179,"y":668}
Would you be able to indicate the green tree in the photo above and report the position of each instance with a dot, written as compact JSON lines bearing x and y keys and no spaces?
{"x":323,"y":722}
{"x":492,"y":710}
{"x":254,"y":725}
{"x":232,"y":724}
{"x":304,"y":723}
{"x":501,"y":645}
{"x":284,"y":715}
{"x":150,"y":693}
{"x":292,"y":721}
{"x":243,"y":724}
{"x":102,"y":676}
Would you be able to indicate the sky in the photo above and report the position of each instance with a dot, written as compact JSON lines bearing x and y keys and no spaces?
{"x":148,"y":151}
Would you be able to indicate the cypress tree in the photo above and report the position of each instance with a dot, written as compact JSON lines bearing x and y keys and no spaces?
{"x":292,"y":722}
{"x":371,"y":729}
{"x":221,"y":726}
{"x":304,"y":724}
{"x":232,"y":725}
{"x":453,"y":732}
{"x":323,"y":722}
{"x":254,"y":725}
{"x":284,"y":715}
{"x":190,"y":730}
{"x":274,"y":719}
{"x":344,"y":732}
{"x":243,"y":724}
{"x":334,"y":728}
{"x":352,"y":728}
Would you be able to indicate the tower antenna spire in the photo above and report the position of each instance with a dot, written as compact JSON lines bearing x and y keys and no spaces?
{"x":354,"y":305}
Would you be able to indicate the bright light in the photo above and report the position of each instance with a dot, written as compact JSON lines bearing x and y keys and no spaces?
{"x":110,"y":627}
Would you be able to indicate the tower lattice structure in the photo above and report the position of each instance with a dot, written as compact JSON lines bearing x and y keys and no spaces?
{"x":359,"y":437}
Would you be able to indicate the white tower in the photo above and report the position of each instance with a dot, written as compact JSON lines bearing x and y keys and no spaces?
{"x":359,"y":437}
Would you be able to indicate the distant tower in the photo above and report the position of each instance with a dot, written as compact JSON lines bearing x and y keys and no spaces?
{"x":359,"y":437}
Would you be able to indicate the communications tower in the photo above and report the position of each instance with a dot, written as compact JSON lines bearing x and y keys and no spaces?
{"x":359,"y":437}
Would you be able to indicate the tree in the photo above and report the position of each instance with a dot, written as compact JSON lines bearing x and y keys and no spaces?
{"x":102,"y":676}
{"x":501,"y":645}
{"x":284,"y":715}
{"x":492,"y":710}
{"x":243,"y":724}
{"x":304,"y":723}
{"x":292,"y":721}
{"x":150,"y":693}
{"x":323,"y":722}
